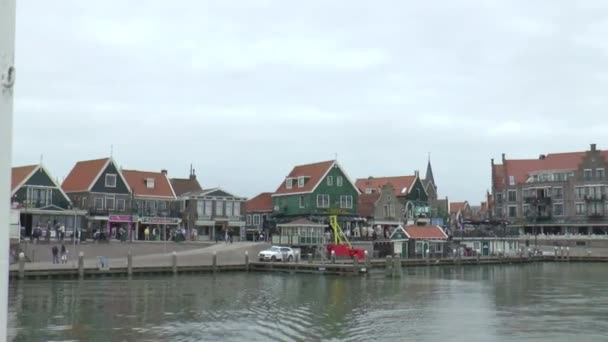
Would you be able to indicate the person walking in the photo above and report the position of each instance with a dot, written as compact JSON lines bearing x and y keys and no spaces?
{"x":147,"y":234}
{"x":55,"y":252}
{"x":64,"y":254}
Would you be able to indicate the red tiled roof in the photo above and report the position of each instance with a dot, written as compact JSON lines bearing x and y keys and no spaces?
{"x":521,"y":169}
{"x":83,"y":175}
{"x":457,"y":206}
{"x":19,"y":174}
{"x":376,"y":183}
{"x":425,"y":232}
{"x":498,"y":178}
{"x":137,"y":183}
{"x":367,"y":204}
{"x":184,"y":185}
{"x":260,"y":203}
{"x":314,"y":173}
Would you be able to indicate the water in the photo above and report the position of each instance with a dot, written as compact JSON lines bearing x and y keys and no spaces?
{"x":538,"y":302}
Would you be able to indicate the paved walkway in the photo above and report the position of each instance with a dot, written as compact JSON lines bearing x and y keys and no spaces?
{"x":227,"y":254}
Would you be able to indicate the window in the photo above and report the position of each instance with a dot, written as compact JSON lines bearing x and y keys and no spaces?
{"x":236,"y":211}
{"x":84,"y":203}
{"x":301,"y":181}
{"x":99,"y":203}
{"x":248,"y":220}
{"x":256,"y":220}
{"x":512,"y":211}
{"x":346,"y":202}
{"x":595,"y":192}
{"x":526,"y":209}
{"x":580,"y":208}
{"x":499,"y":198}
{"x":150,"y":183}
{"x":339,"y":181}
{"x":110,"y":203}
{"x":330,"y":180}
{"x":558,"y":193}
{"x":369,"y":191}
{"x":120,"y":204}
{"x":289,"y":183}
{"x":208,"y":207}
{"x":600,"y":174}
{"x":200,"y":208}
{"x":322,"y":201}
{"x":302,"y":204}
{"x":512,"y":195}
{"x":587,"y":174}
{"x":595,"y":208}
{"x":219,"y":208}
{"x":229,"y":206}
{"x":580,"y":192}
{"x":558,"y":209}
{"x":511,"y":180}
{"x":182,"y":205}
{"x":110,"y":180}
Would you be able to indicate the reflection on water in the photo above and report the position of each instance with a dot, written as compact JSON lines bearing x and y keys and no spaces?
{"x":543,"y":302}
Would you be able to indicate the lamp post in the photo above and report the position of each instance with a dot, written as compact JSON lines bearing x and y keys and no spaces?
{"x":164,"y":213}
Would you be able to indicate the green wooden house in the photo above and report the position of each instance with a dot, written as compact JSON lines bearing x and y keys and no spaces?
{"x":315,"y":191}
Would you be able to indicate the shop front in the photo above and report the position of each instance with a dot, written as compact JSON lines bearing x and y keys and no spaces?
{"x":120,"y":224}
{"x":163,"y":226}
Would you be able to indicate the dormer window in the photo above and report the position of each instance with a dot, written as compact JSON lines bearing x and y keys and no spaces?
{"x":110,"y":180}
{"x":289,"y":183}
{"x":330,"y":180}
{"x":301,"y":181}
{"x":150,"y":183}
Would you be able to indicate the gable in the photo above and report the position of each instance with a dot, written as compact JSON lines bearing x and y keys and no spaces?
{"x":40,"y":178}
{"x":417,"y":192}
{"x":100,"y":184}
{"x":398,"y":234}
{"x":218,"y":193}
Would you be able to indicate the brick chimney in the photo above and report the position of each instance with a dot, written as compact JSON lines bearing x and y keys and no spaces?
{"x":593,"y":147}
{"x":163,"y":171}
{"x":193,"y":174}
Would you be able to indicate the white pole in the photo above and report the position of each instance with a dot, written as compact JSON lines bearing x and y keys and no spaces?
{"x":7,"y":78}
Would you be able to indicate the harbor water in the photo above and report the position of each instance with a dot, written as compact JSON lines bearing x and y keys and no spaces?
{"x":535,"y":302}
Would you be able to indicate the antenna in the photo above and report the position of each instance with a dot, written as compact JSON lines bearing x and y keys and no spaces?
{"x":336,"y":156}
{"x":111,"y":151}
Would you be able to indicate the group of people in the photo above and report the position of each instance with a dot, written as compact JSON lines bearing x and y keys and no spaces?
{"x":56,"y":254}
{"x":177,"y":235}
{"x":38,"y":233}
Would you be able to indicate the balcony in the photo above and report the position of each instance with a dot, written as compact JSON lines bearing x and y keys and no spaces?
{"x":591,"y":198}
{"x":536,"y":201}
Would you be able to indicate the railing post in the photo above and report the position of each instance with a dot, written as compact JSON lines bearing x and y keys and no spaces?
{"x":555,"y":248}
{"x":247,"y":261}
{"x":568,"y":252}
{"x":478,"y":256}
{"x":397,"y":265}
{"x":81,"y":264}
{"x":388,"y":266}
{"x":333,"y":256}
{"x":21,"y":265}
{"x":367,"y":261}
{"x":214,"y":262}
{"x":129,"y":264}
{"x":174,"y":262}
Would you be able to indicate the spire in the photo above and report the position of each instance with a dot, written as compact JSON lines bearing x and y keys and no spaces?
{"x":429,"y":172}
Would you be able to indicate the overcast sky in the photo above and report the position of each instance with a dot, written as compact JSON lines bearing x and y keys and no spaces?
{"x":244,"y":90}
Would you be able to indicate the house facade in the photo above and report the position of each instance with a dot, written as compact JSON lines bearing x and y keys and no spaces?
{"x":315,"y":191}
{"x":42,"y":202}
{"x":381,"y":209}
{"x":99,"y":187}
{"x":459,"y":213}
{"x":153,"y":199}
{"x":258,"y":214}
{"x":560,"y":193}
{"x":218,"y":212}
{"x":186,"y":206}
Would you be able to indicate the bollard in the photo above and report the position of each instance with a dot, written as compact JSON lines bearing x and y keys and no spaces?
{"x":388,"y":266}
{"x":561,"y":251}
{"x":529,"y":253}
{"x":174,"y":262}
{"x":247,"y":261}
{"x":21,"y":265}
{"x":428,"y":257}
{"x":589,"y":253}
{"x":478,"y":257}
{"x":568,"y":252}
{"x":367,"y":261}
{"x":309,"y":256}
{"x":333,"y":256}
{"x":81,"y":265}
{"x":214,"y":262}
{"x":356,"y":265}
{"x":397,"y":266}
{"x":555,"y":253}
{"x":129,"y":264}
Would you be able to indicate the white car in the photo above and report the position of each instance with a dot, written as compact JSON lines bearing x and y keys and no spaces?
{"x":276,"y":253}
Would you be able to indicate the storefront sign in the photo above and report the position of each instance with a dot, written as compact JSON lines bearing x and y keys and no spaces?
{"x":160,"y":220}
{"x":119,"y":218}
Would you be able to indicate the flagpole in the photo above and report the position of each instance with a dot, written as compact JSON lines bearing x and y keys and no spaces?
{"x":7,"y":79}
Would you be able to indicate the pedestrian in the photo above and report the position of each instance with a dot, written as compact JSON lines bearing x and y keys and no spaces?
{"x":230,"y":236}
{"x":62,"y":232}
{"x":147,"y":234}
{"x":55,"y":252}
{"x":64,"y":254}
{"x":226,"y":236}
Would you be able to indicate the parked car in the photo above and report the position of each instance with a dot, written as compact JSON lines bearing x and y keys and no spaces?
{"x":276,"y":253}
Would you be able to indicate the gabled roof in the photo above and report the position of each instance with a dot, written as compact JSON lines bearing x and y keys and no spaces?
{"x":85,"y":173}
{"x":314,"y":173}
{"x":20,"y":175}
{"x":185,"y":185}
{"x":213,"y":192}
{"x":260,"y":203}
{"x":429,"y":178}
{"x":425,"y":233}
{"x":397,"y":231}
{"x":456,"y":207}
{"x":137,"y":182}
{"x":400,"y":183}
{"x":367,"y":203}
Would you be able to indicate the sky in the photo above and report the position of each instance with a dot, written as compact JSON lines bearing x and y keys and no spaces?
{"x":244,"y":90}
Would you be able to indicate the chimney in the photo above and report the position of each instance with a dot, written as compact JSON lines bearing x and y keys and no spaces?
{"x":163,"y":171}
{"x":593,"y":147}
{"x":417,"y":174}
{"x":503,"y":158}
{"x":541,"y":157}
{"x":193,"y":174}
